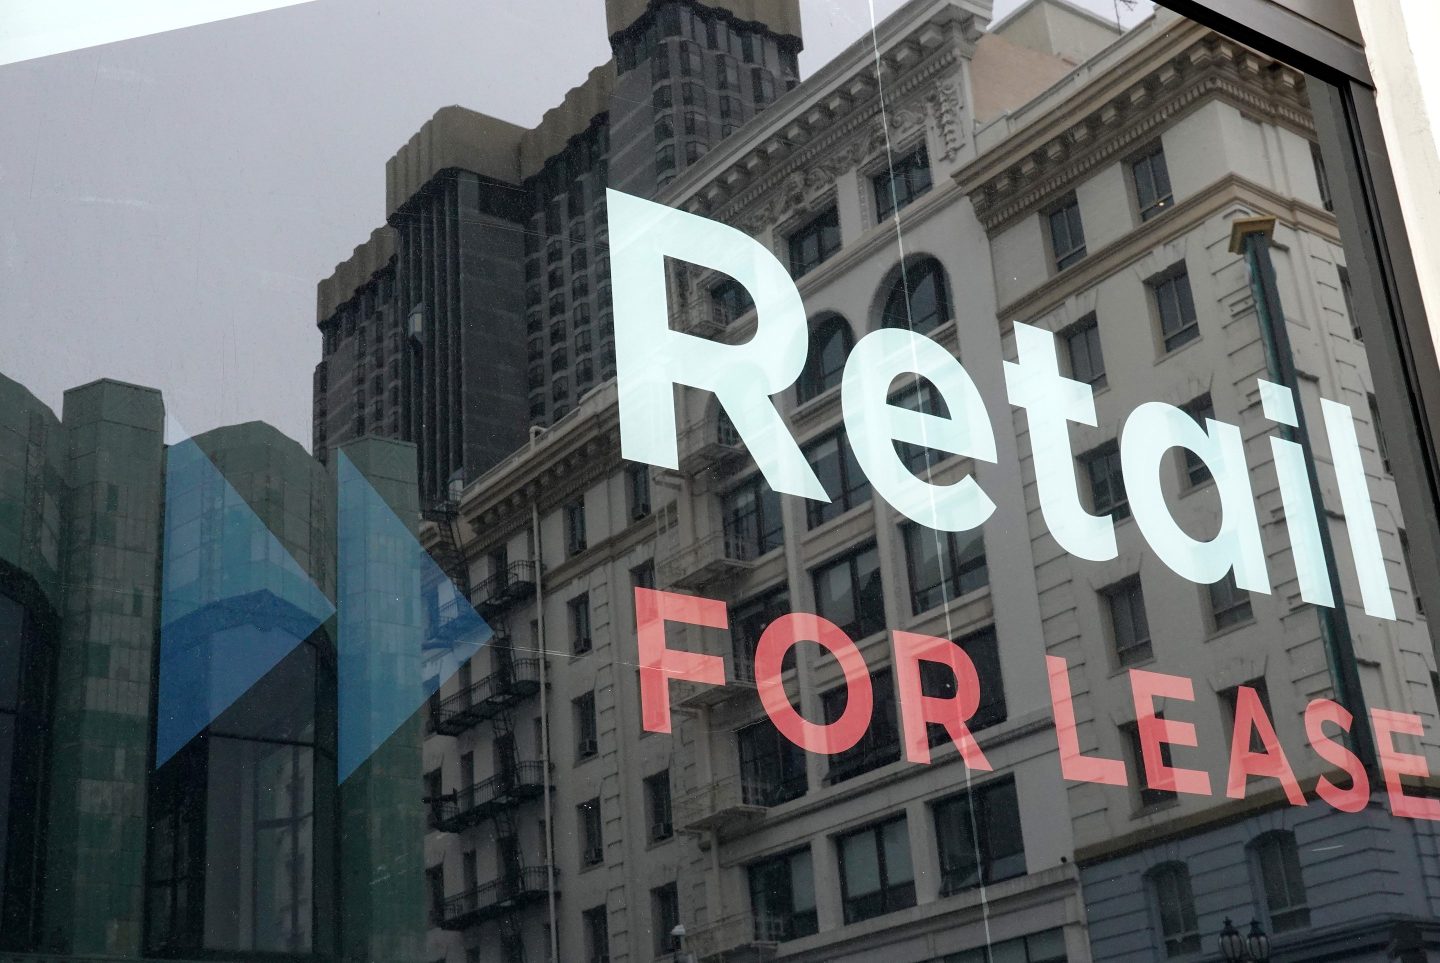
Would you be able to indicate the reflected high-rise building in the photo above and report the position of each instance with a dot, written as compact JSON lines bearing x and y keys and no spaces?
{"x":482,"y":307}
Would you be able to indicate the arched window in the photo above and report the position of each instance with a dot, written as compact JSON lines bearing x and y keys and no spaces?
{"x":1169,"y":885}
{"x":1277,"y":863}
{"x":830,"y":343}
{"x":918,"y":299}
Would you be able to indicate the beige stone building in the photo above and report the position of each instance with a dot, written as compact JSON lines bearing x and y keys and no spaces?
{"x":952,"y":178}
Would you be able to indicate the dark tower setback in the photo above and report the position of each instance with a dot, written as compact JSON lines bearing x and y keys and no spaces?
{"x":483,"y":306}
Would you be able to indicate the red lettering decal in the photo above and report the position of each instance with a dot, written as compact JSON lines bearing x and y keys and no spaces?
{"x":1073,"y":765}
{"x":770,"y":651}
{"x":917,"y":709}
{"x":1395,"y":764}
{"x":1250,"y":715}
{"x":658,"y":664}
{"x":1351,"y":800}
{"x":1156,"y":732}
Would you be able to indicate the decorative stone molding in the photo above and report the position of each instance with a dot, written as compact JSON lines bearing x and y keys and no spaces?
{"x":839,"y":130}
{"x":1047,"y":158}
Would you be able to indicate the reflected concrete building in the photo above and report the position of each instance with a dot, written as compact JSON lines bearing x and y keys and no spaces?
{"x":1155,"y":148}
{"x":1042,"y":169}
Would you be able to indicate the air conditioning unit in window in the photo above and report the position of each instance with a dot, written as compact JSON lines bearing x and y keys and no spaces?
{"x":593,"y":855}
{"x":589,"y":747}
{"x":582,"y":645}
{"x":661,"y":831}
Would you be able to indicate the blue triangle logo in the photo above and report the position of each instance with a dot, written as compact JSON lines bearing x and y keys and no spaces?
{"x":233,"y":603}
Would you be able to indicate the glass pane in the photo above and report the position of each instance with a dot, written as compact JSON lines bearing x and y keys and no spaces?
{"x":860,"y":860}
{"x":605,"y":336}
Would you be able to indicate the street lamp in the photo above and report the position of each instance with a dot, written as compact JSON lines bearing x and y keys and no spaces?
{"x":1232,"y":944}
{"x":678,"y":934}
{"x":1258,"y":943}
{"x":1253,"y":947}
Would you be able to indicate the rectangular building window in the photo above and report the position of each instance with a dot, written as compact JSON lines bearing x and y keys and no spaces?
{"x":1082,"y":347}
{"x":751,"y":517}
{"x":1148,"y":795}
{"x":1196,"y":471}
{"x":900,"y":184}
{"x":729,"y":300}
{"x":1175,"y":306}
{"x":1107,"y":483}
{"x":1067,"y":234}
{"x":978,"y":836}
{"x":1382,"y":447}
{"x":1229,"y":702}
{"x":747,"y":621}
{"x":637,"y":490}
{"x":772,"y":768}
{"x":1129,"y":626}
{"x":664,"y":917}
{"x":880,"y":745}
{"x":1152,"y":183}
{"x":596,"y":925}
{"x":643,"y":575}
{"x":575,"y":528}
{"x":943,"y":565}
{"x":938,"y":681}
{"x":435,"y":892}
{"x":1229,"y":604}
{"x":848,"y":592}
{"x":580,"y":641}
{"x":1175,"y":903}
{"x":592,"y":838}
{"x":1347,"y":297}
{"x":919,"y":394}
{"x":1322,"y":177}
{"x":782,"y":897}
{"x":1410,"y":574}
{"x":840,"y":475}
{"x":1281,"y":881}
{"x":813,"y":243}
{"x":587,"y":731}
{"x":657,"y":806}
{"x":876,"y":876}
{"x":1047,"y":946}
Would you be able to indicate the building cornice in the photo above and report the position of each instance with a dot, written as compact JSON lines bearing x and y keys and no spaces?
{"x":801,"y":146}
{"x":576,"y":452}
{"x":1120,"y":110}
{"x":1228,"y":193}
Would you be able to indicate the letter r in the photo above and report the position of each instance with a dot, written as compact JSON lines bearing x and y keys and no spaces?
{"x":651,"y":359}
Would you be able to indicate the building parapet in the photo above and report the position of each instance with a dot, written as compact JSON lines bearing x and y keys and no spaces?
{"x":1029,"y":158}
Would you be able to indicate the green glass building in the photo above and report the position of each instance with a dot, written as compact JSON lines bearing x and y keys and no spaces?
{"x":241,"y":845}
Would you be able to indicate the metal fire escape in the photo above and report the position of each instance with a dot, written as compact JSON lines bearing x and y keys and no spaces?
{"x":493,"y":698}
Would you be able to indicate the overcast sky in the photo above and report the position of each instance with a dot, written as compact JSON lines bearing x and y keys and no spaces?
{"x":167,"y":204}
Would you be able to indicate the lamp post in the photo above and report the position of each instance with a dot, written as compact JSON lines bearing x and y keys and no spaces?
{"x":1250,"y":237}
{"x":1253,"y":947}
{"x":681,"y":955}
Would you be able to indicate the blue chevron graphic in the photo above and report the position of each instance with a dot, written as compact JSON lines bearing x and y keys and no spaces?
{"x":233,"y":600}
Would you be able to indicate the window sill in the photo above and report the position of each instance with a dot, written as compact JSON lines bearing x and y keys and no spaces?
{"x":1142,"y":810}
{"x":1243,"y":624}
{"x":1167,"y":353}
